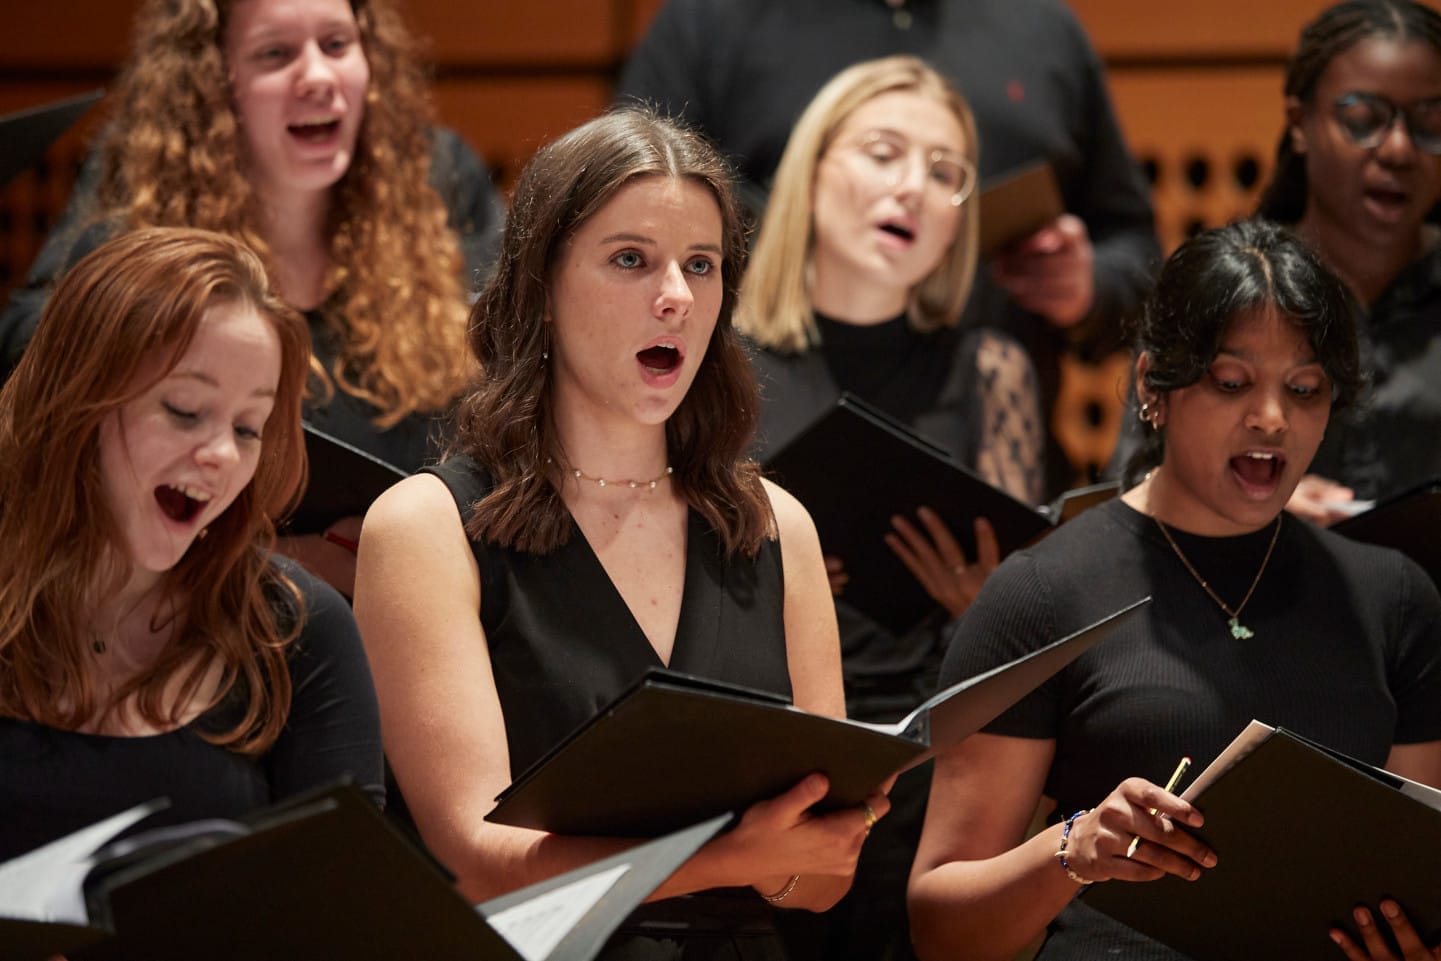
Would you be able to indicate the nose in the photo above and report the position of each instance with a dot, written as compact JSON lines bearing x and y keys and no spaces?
{"x":909,"y":175}
{"x":674,"y":299}
{"x":317,"y":75}
{"x":220,"y":451}
{"x":1268,"y":414}
{"x":1396,"y":146}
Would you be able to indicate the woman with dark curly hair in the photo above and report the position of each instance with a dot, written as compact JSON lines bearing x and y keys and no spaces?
{"x":599,"y":518}
{"x":303,"y":128}
{"x":149,"y":644}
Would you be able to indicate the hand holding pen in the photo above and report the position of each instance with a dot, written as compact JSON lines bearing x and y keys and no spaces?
{"x":1137,"y":834}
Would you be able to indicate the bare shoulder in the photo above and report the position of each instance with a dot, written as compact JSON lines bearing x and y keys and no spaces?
{"x":793,"y":521}
{"x":415,"y":502}
{"x":413,"y":537}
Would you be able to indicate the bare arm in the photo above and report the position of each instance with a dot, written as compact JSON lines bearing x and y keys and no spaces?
{"x":418,"y":604}
{"x":417,"y":601}
{"x":980,"y":890}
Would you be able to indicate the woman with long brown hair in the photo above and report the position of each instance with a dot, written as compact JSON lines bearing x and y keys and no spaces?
{"x":598,"y":519}
{"x":149,"y":646}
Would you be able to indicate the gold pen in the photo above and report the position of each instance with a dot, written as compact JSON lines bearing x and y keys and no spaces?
{"x":1176,"y":776}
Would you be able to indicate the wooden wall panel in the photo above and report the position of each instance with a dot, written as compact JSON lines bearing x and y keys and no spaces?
{"x":506,"y":119}
{"x":1197,"y":29}
{"x":1206,"y":136}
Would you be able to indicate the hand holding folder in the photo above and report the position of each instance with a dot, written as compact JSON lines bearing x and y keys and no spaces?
{"x":320,"y":877}
{"x":675,"y":749}
{"x":1303,"y":834}
{"x":856,"y":467}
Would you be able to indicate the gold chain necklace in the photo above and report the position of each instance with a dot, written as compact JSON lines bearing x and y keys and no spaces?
{"x":1238,"y":630}
{"x":579,"y":474}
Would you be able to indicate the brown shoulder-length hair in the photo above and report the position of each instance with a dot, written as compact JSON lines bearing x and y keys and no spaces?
{"x":505,"y":423}
{"x":173,"y":155}
{"x":118,"y":322}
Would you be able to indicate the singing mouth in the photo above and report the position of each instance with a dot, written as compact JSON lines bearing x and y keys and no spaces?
{"x":181,"y":503}
{"x":660,"y":359}
{"x":314,"y":131}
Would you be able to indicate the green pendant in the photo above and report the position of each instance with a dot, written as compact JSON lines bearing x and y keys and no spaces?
{"x":1240,"y":631}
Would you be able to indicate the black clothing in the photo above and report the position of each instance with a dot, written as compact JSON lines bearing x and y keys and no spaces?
{"x":53,"y":782}
{"x":1346,"y":651}
{"x":938,"y":384}
{"x":744,"y":70}
{"x":563,"y":644}
{"x":1391,"y":440}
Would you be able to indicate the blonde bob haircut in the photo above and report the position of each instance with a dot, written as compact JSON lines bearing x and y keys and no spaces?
{"x":775,"y":307}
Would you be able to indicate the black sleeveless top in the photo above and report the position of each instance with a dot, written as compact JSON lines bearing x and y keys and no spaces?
{"x":563,"y":644}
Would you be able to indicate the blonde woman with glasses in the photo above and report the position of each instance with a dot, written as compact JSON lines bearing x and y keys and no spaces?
{"x":857,"y":281}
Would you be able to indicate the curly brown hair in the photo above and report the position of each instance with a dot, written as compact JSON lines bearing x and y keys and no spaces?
{"x":172,"y":156}
{"x":135,"y":300}
{"x":505,"y":423}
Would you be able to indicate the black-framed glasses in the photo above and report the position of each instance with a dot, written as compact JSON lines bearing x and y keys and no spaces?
{"x":887,"y":156}
{"x":1366,"y":119}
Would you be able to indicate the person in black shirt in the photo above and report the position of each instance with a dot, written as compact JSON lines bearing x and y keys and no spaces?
{"x":856,"y":283}
{"x":1245,"y":349}
{"x":744,"y":70}
{"x":1358,"y":176}
{"x":149,"y":644}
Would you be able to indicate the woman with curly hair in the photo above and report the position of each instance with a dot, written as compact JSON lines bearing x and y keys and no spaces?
{"x":149,"y":645}
{"x":302,"y":128}
{"x":598,"y":519}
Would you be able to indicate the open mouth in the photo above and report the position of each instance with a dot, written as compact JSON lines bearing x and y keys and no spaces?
{"x":660,"y":359}
{"x":1258,"y":468}
{"x":180,"y":503}
{"x":316,"y":131}
{"x":899,"y":230}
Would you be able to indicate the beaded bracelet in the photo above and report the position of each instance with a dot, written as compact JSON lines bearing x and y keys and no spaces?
{"x":784,"y":892}
{"x":1061,"y":853}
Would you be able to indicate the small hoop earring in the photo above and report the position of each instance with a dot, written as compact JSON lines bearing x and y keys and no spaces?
{"x":1144,"y":414}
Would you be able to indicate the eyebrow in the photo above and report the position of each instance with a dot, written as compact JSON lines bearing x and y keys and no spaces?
{"x":1248,"y":357}
{"x":648,"y":241}
{"x":206,"y":379}
{"x":939,"y":148}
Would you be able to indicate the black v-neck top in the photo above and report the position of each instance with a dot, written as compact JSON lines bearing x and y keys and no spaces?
{"x":563,"y":643}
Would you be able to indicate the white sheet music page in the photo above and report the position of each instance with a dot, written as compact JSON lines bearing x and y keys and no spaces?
{"x":535,"y":927}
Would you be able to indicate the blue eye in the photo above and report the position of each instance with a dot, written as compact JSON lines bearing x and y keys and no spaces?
{"x":629,"y":259}
{"x":700,"y":266}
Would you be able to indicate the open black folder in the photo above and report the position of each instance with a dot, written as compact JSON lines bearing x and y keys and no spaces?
{"x":856,"y":467}
{"x":1409,"y":521}
{"x":675,"y":749}
{"x":1302,"y":834}
{"x":26,"y":134}
{"x":343,"y":482}
{"x":325,"y":877}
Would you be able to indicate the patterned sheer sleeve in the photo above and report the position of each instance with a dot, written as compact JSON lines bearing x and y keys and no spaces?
{"x":1011,"y":443}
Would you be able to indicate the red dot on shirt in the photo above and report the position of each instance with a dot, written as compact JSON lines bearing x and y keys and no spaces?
{"x":1015,"y":91}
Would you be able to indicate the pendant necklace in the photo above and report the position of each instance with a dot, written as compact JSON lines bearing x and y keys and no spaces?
{"x":1238,"y":630}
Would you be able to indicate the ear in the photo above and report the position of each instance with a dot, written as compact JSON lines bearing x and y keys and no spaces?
{"x":1147,"y":395}
{"x":1294,"y":130}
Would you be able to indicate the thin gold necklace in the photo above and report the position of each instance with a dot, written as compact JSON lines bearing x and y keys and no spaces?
{"x":1238,"y":630}
{"x":579,"y":474}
